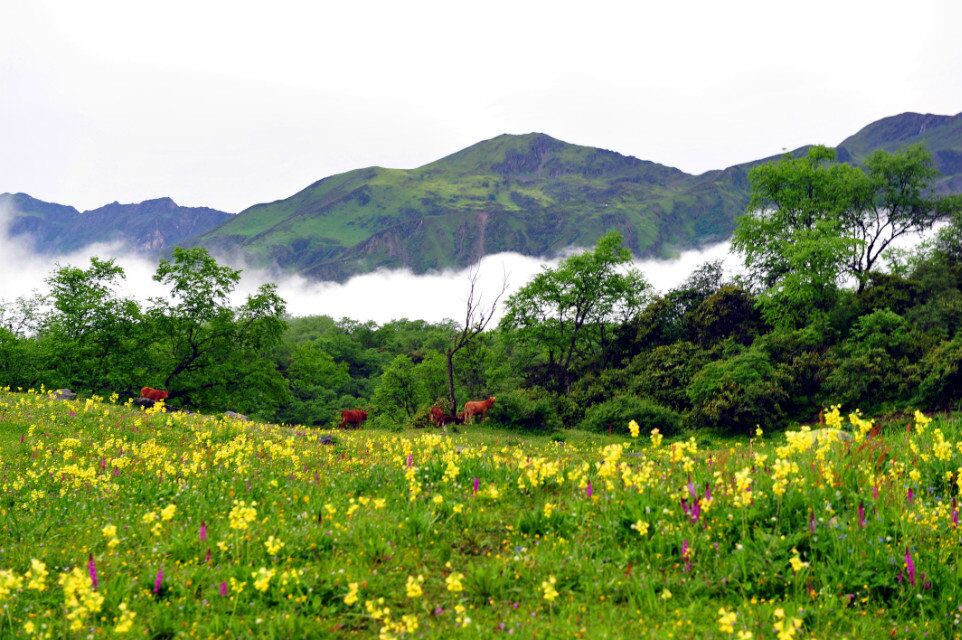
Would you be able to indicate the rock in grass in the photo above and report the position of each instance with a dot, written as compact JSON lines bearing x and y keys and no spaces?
{"x":233,"y":415}
{"x":64,"y":394}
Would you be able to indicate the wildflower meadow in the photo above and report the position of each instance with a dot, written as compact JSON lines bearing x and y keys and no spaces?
{"x":123,"y":522}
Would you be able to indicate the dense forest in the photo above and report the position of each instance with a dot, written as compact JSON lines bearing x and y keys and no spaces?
{"x":828,"y":311}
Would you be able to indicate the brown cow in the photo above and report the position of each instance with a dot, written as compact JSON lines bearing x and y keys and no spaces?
{"x":354,"y":417}
{"x":154,"y":394}
{"x":441,"y":419}
{"x":477,"y":408}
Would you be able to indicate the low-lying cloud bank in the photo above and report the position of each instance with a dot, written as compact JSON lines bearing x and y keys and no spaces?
{"x":380,"y":296}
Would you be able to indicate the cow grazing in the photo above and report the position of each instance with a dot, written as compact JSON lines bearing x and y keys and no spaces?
{"x":154,"y":394}
{"x":477,"y":408}
{"x":441,"y":419}
{"x":353,"y":417}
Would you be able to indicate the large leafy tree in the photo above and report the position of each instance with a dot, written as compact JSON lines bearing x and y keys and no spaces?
{"x":566,"y":313}
{"x":209,"y":352}
{"x":91,"y":335}
{"x":792,"y":236}
{"x":812,"y":222}
{"x":893,"y":199}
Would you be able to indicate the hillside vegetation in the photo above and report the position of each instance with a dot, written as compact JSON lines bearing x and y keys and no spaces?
{"x":530,"y":194}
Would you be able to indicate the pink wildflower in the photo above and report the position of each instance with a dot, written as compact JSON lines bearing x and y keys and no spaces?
{"x":92,"y":570}
{"x":159,"y":581}
{"x":909,"y":567}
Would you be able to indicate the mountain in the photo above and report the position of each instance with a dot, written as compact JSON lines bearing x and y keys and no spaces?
{"x":530,"y":193}
{"x":942,"y":135}
{"x":527,"y":193}
{"x":151,"y":227}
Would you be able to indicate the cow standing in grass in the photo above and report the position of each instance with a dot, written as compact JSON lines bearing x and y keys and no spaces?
{"x":442,"y":419}
{"x":154,"y":394}
{"x":477,"y":408}
{"x":353,"y":417}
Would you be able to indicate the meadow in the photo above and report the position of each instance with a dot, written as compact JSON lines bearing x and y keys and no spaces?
{"x":116,"y":521}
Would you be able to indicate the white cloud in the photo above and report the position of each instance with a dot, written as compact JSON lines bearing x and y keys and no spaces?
{"x":378,"y":296}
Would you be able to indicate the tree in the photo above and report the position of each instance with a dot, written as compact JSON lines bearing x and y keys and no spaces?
{"x":399,"y":388}
{"x":209,"y":349}
{"x":566,"y":312}
{"x":476,"y":319}
{"x":791,"y":237}
{"x":91,"y":334}
{"x":812,"y":220}
{"x":892,"y":200}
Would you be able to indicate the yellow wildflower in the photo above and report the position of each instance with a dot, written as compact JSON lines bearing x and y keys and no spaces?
{"x":454,"y":582}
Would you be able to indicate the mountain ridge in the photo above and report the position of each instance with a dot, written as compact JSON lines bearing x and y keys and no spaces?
{"x":152,"y":226}
{"x":529,"y":193}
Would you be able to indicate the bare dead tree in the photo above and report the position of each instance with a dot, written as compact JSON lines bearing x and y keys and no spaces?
{"x":477,"y":316}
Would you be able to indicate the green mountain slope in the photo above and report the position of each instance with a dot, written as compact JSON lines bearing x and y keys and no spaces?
{"x":527,"y":193}
{"x":531,"y":193}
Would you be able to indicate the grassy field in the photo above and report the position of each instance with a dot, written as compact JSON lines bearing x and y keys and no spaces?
{"x":114,"y":521}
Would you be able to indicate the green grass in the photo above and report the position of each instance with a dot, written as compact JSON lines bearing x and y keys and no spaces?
{"x":540,"y":533}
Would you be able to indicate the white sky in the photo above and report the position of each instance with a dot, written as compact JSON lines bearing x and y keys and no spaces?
{"x":227,"y":104}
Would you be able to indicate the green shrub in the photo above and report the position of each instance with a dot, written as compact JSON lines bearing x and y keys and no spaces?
{"x":737,"y":394}
{"x":615,"y":413}
{"x":533,"y":410}
{"x":941,"y":368}
{"x":664,"y":372}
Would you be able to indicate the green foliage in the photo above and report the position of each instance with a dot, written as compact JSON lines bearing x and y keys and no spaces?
{"x":531,"y":410}
{"x":614,"y":414}
{"x":399,"y":392}
{"x":941,"y":384}
{"x":211,"y":354}
{"x":567,"y":311}
{"x":874,"y":363}
{"x":96,"y":335}
{"x":664,"y":373}
{"x":316,"y":383}
{"x":736,"y":394}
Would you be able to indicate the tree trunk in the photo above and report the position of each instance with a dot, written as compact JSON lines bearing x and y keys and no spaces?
{"x":451,"y":398}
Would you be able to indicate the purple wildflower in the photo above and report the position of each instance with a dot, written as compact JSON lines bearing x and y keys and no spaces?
{"x":707,"y":493}
{"x":476,"y":484}
{"x":223,"y":589}
{"x":207,"y":557}
{"x":691,"y":488}
{"x":410,"y":460}
{"x":861,"y":514}
{"x":909,"y":567}
{"x":92,"y":570}
{"x":910,"y":496}
{"x":159,"y":581}
{"x":589,"y":490}
{"x":21,"y":438}
{"x":686,"y":555}
{"x":203,"y":530}
{"x":955,"y":513}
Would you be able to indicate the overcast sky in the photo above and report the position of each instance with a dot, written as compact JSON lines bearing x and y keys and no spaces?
{"x":229,"y":104}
